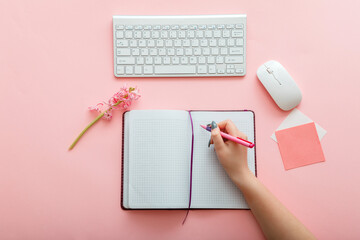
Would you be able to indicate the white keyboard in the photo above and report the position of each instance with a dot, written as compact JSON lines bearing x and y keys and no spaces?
{"x":179,"y":46}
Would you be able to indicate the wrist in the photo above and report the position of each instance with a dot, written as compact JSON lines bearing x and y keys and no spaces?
{"x":243,"y":178}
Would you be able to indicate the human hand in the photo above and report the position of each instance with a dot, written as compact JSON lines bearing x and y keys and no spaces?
{"x":232,"y":156}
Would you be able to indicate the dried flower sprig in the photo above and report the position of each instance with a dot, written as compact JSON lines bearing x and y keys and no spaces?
{"x":120,"y":100}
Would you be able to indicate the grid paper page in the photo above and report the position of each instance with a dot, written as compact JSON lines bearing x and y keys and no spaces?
{"x":159,"y":149}
{"x":125,"y":182}
{"x":211,"y":186}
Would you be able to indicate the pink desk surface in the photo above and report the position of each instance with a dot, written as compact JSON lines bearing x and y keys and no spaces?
{"x":56,"y":60}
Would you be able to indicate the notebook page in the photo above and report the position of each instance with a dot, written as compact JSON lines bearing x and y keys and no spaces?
{"x":159,"y":153}
{"x":125,"y":179}
{"x":211,"y":186}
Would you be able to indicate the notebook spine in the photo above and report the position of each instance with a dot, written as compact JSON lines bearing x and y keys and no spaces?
{"x":122,"y":162}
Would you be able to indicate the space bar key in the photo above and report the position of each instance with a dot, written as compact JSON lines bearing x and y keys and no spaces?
{"x":175,"y":69}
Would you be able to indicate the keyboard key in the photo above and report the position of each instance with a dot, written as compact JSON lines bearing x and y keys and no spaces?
{"x":148,"y":69}
{"x":171,"y":52}
{"x":239,"y":70}
{"x":202,"y":69}
{"x":144,"y":51}
{"x":212,"y":42}
{"x":135,"y":52}
{"x":208,"y":34}
{"x":122,"y":43}
{"x":137,"y":34}
{"x":153,"y":52}
{"x":193,"y":60}
{"x":162,"y":51}
{"x":237,"y":33}
{"x":155,"y":34}
{"x":186,"y":43}
{"x":157,"y":60}
{"x":120,"y":69}
{"x":123,"y":51}
{"x":206,"y":51}
{"x":173,"y":34}
{"x":236,"y":51}
{"x":142,"y":43}
{"x":175,"y":60}
{"x":211,"y":59}
{"x":159,"y":43}
{"x":166,"y":60}
{"x":181,"y":34}
{"x":201,"y":60}
{"x":119,"y":34}
{"x":184,"y":60}
{"x":188,"y":51}
{"x":239,"y":42}
{"x":200,"y":34}
{"x":223,"y":51}
{"x":226,"y":33}
{"x":138,"y":70}
{"x":128,"y":34}
{"x":125,"y":60}
{"x":149,"y":60}
{"x":195,"y":42}
{"x":177,"y":43}
{"x":231,"y":42}
{"x":219,"y":59}
{"x":175,"y":70}
{"x":197,"y":51}
{"x":204,"y":42}
{"x":164,"y":34}
{"x":212,"y":69}
{"x":233,"y":59}
{"x":179,"y":51}
{"x":222,"y":42}
{"x":190,"y":34}
{"x":215,"y":51}
{"x":129,"y":69}
{"x":217,"y":34}
{"x":133,"y":43}
{"x":140,"y":60}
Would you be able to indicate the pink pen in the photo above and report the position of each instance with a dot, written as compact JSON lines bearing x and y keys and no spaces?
{"x":232,"y":138}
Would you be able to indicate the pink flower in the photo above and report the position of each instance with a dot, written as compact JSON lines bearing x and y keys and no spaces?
{"x":121,"y":99}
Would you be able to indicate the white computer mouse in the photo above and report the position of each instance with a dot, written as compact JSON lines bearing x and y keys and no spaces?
{"x":280,"y":85}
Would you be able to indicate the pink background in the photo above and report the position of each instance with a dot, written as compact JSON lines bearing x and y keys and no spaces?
{"x":56,"y":60}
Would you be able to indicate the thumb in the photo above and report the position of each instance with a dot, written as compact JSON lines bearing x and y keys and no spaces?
{"x":216,"y":137}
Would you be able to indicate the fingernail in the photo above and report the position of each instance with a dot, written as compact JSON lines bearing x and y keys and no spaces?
{"x":213,"y":125}
{"x":209,"y":142}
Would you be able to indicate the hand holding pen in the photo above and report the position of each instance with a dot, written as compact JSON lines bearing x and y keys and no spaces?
{"x":230,"y":137}
{"x":231,"y":155}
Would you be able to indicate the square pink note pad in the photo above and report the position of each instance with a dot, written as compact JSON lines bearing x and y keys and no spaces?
{"x":299,"y":146}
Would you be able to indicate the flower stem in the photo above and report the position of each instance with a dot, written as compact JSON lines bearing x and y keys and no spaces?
{"x":92,"y":123}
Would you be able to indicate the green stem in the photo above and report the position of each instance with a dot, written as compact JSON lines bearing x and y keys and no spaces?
{"x":92,"y":123}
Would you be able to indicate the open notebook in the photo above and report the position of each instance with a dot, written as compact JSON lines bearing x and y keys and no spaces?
{"x":157,"y":157}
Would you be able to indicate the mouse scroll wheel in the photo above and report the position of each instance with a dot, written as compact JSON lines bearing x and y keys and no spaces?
{"x":269,"y":70}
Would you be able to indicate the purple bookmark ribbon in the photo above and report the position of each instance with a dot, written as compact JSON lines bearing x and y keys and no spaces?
{"x":191,"y":165}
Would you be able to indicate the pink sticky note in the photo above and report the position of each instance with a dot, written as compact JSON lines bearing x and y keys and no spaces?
{"x":299,"y":146}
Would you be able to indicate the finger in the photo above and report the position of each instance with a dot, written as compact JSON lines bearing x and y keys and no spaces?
{"x":229,"y":127}
{"x":216,"y":137}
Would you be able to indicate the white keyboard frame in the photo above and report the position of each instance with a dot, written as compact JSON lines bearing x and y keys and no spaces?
{"x":180,"y":20}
